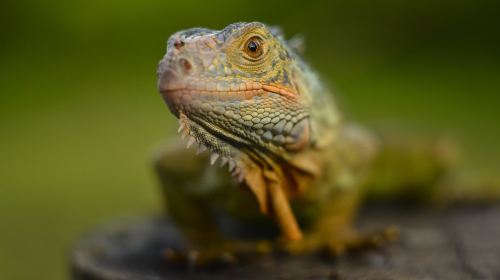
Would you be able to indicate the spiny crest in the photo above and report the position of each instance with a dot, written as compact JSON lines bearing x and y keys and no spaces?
{"x":232,"y":165}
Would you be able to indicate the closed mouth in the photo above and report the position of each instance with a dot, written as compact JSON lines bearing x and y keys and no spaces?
{"x":248,"y":89}
{"x":176,"y":98}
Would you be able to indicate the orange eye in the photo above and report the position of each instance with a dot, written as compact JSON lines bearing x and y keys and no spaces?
{"x":253,"y":47}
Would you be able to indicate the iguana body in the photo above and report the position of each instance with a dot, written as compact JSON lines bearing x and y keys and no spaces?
{"x":247,"y":97}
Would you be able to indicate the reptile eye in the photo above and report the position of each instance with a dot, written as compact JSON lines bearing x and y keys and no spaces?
{"x":253,"y":47}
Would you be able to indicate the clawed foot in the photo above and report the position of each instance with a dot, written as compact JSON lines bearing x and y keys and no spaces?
{"x":360,"y":242}
{"x":340,"y":243}
{"x":194,"y":258}
{"x":334,"y":245}
{"x":224,"y":253}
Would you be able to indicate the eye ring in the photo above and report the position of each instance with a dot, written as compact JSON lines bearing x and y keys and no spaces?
{"x":254,"y":47}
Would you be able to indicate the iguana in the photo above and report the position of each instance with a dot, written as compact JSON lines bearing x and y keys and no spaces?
{"x":245,"y":96}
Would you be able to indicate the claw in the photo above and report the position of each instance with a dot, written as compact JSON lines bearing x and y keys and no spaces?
{"x":170,"y":254}
{"x":391,"y":233}
{"x":228,"y":258}
{"x":337,"y":250}
{"x":193,"y":257}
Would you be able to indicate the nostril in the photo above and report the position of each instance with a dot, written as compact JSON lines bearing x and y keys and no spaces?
{"x":178,"y":44}
{"x":185,"y":65}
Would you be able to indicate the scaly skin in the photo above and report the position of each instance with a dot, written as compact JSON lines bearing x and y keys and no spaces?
{"x":246,"y":96}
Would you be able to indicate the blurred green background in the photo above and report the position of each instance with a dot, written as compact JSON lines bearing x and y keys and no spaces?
{"x":80,"y":115}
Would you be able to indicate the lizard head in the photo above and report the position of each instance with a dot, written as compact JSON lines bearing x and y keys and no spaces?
{"x":245,"y":95}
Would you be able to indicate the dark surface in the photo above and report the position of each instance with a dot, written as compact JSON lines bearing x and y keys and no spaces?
{"x":459,"y":243}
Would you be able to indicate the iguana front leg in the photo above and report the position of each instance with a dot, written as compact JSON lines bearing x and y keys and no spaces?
{"x":336,"y":198}
{"x":334,"y":232}
{"x":191,"y":189}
